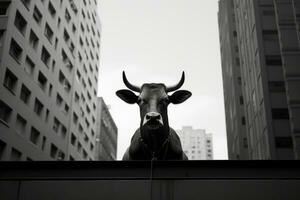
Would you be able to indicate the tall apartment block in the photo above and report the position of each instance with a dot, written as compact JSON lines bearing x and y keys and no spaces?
{"x":106,"y":134}
{"x":49,"y":53}
{"x":196,"y":143}
{"x":269,"y":53}
{"x":233,"y":97}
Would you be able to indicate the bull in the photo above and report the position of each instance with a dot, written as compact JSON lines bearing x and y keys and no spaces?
{"x":154,"y":139}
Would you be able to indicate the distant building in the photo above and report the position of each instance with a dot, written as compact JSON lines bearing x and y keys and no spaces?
{"x":267,"y":40}
{"x":49,"y":54}
{"x":196,"y":143}
{"x":107,"y":133}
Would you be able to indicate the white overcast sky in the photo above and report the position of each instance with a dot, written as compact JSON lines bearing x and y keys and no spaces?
{"x":154,"y":41}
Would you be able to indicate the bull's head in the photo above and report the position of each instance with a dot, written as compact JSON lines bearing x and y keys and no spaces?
{"x":153,"y":100}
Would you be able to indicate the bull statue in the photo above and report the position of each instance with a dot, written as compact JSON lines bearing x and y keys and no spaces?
{"x":155,"y":139}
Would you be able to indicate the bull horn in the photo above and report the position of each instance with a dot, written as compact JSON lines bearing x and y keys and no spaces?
{"x":177,"y":86}
{"x":129,"y":85}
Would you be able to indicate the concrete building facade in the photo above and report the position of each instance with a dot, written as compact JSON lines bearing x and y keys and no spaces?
{"x":268,"y":43}
{"x":196,"y":143}
{"x":233,"y":97}
{"x":106,"y":134}
{"x":49,"y":53}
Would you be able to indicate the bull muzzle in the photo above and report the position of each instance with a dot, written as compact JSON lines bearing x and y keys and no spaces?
{"x":153,"y":119}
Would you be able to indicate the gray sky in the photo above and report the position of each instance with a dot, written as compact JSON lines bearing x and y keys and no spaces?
{"x":154,"y":41}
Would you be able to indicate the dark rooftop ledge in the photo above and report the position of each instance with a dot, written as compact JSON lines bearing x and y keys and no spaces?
{"x":141,"y":170}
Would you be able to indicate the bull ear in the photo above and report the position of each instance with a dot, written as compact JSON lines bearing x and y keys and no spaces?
{"x":127,"y":96}
{"x":180,"y":96}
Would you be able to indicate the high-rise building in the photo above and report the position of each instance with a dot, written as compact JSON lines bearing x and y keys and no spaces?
{"x":196,"y":143}
{"x":233,"y":96}
{"x":49,"y":53}
{"x":269,"y":53}
{"x":106,"y":134}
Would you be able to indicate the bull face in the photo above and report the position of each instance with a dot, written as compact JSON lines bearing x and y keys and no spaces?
{"x":153,"y":100}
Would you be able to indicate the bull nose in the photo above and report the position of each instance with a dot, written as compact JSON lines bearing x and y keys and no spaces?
{"x":153,"y":116}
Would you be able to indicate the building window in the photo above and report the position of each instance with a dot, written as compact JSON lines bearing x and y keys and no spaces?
{"x":4,"y":7}
{"x":78,"y":76}
{"x":76,"y":97}
{"x":1,"y":37}
{"x":50,"y":90}
{"x":245,"y":142}
{"x":59,"y":100}
{"x":47,"y":115}
{"x":61,"y":155}
{"x":67,"y":16}
{"x":243,"y":120}
{"x":37,"y":15}
{"x":29,"y":66}
{"x":86,"y":139}
{"x":10,"y":81}
{"x":26,"y":3}
{"x":73,"y":6}
{"x":53,"y":65}
{"x":63,"y":131}
{"x":34,"y":136}
{"x":21,"y":125}
{"x":82,"y":98}
{"x":38,"y":107}
{"x":25,"y":94}
{"x":72,"y":47}
{"x":56,"y":125}
{"x":268,"y":12}
{"x":88,"y":109}
{"x":55,"y":44}
{"x":20,"y":23}
{"x":79,"y":147}
{"x":80,"y":129}
{"x":276,"y":86}
{"x":283,"y":142}
{"x":73,"y":28}
{"x":270,"y":35}
{"x":48,"y":33}
{"x":66,"y":36}
{"x":58,"y":22}
{"x":15,"y":50}
{"x":241,"y":100}
{"x":43,"y":142}
{"x":15,"y":155}
{"x":73,"y":139}
{"x":33,"y":40}
{"x":62,"y":79}
{"x":280,"y":113}
{"x":5,"y":112}
{"x":53,"y":151}
{"x":85,"y":154}
{"x":66,"y":109}
{"x":2,"y":149}
{"x":80,"y":42}
{"x":45,"y":57}
{"x":29,"y":159}
{"x":273,"y":60}
{"x":51,"y":9}
{"x":42,"y":81}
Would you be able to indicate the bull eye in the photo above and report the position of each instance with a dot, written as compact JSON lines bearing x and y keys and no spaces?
{"x":141,"y":101}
